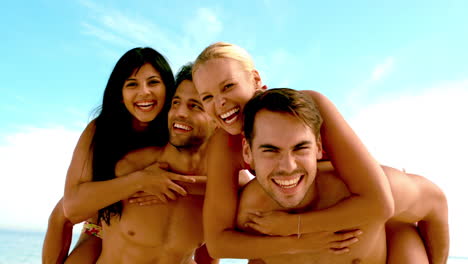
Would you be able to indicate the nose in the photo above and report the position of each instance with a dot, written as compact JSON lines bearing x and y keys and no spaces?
{"x":287,"y":163}
{"x":145,"y":89}
{"x":220,"y":101}
{"x":182,"y":111}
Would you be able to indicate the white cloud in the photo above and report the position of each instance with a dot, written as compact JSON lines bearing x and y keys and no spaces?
{"x":110,"y":25}
{"x":379,"y":72}
{"x":116,"y":28}
{"x":105,"y":35}
{"x":34,"y":166}
{"x":382,"y":69}
{"x":425,"y":134}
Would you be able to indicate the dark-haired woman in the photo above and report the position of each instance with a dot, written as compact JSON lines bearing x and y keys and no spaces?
{"x":133,"y":115}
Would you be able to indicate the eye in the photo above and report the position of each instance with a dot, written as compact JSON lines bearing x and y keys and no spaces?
{"x":175,"y":102}
{"x":228,"y":86}
{"x":302,"y":149}
{"x":131,"y":84}
{"x":154,"y":82}
{"x":269,"y":150}
{"x":196,"y":106}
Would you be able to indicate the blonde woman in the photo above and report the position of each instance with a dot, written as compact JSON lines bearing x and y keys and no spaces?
{"x":226,"y":78}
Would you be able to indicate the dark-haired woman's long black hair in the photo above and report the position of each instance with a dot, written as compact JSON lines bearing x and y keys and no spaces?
{"x":114,"y":136}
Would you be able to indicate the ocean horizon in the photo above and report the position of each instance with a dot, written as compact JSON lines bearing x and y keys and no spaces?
{"x":25,"y":247}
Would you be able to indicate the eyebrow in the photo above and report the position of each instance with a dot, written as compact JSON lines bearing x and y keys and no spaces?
{"x":221,"y":83}
{"x":228,"y":79}
{"x":300,"y":144}
{"x":151,"y":77}
{"x":191,"y":100}
{"x":194,"y":101}
{"x":269,"y":146}
{"x":203,"y":94}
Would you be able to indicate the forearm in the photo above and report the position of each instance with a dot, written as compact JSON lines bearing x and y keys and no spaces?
{"x":359,"y":170}
{"x":356,"y":210}
{"x":87,"y":198}
{"x":234,"y":244}
{"x":58,"y":237}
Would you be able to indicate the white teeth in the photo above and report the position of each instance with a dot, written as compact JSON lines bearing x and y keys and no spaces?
{"x":180,"y":126}
{"x":228,"y":114}
{"x":145,"y":104}
{"x":287,"y":183}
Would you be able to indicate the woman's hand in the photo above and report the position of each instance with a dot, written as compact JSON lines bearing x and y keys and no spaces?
{"x":278,"y":223}
{"x":336,"y":243}
{"x":160,"y":183}
{"x":273,"y":223}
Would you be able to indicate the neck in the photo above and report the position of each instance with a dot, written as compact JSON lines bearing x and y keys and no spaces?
{"x":190,"y":158}
{"x":139,"y":126}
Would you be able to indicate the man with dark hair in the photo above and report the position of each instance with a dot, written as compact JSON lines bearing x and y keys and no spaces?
{"x":283,"y":145}
{"x":165,"y":232}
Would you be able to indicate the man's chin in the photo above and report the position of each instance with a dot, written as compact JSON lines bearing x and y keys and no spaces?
{"x":286,"y":204}
{"x":189,"y":143}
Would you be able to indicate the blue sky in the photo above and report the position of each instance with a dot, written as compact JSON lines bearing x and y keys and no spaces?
{"x":397,"y":71}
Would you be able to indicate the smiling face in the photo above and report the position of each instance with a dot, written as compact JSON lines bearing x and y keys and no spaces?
{"x":225,"y":87}
{"x":285,"y":164}
{"x":189,"y":124}
{"x":144,"y":94}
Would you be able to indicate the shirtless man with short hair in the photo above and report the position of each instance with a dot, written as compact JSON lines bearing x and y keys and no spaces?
{"x":167,"y":232}
{"x":288,"y":178}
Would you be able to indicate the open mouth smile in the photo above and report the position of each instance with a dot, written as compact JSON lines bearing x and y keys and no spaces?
{"x":287,"y":183}
{"x":230,"y":116}
{"x":146,"y":106}
{"x":182,"y":127}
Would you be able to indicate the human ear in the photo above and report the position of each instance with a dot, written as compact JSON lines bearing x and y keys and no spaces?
{"x":247,"y":152}
{"x":319,"y":148}
{"x":257,"y":80}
